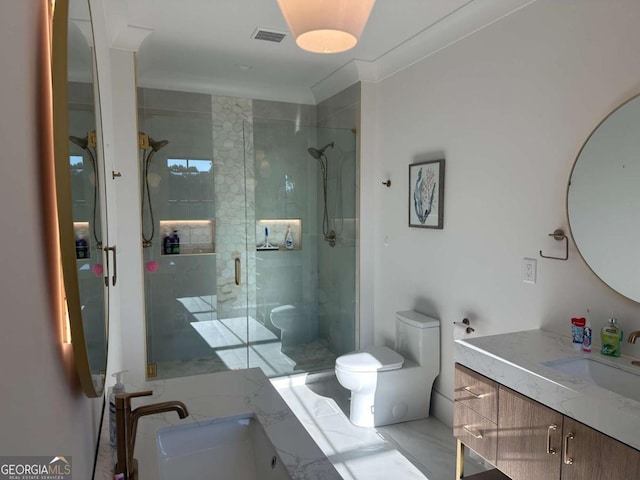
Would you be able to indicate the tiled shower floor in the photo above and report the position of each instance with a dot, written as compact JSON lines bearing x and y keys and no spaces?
{"x":217,"y":345}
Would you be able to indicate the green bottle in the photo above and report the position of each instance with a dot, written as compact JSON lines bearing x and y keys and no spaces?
{"x":611,"y":336}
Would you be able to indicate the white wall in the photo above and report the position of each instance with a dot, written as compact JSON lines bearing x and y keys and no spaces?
{"x":42,"y":411}
{"x":508,"y":107}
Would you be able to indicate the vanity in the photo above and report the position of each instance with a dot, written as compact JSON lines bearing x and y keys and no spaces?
{"x":535,"y":408}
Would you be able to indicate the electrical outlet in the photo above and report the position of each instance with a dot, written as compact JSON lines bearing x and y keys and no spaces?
{"x":529,"y":266}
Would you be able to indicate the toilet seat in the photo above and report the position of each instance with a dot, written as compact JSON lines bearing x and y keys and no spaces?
{"x":371,"y":359}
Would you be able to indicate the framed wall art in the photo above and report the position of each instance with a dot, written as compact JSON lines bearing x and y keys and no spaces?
{"x":426,"y":194}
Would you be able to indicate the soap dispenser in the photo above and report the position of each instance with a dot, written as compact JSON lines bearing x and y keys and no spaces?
{"x":611,"y":336}
{"x":116,"y":389}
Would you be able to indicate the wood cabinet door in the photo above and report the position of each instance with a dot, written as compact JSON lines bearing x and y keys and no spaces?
{"x":529,"y":438}
{"x":589,"y":455}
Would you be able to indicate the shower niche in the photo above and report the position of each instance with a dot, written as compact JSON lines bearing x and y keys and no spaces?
{"x":196,"y":237}
{"x":283,"y":234}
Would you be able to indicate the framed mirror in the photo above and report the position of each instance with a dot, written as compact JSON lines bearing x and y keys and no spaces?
{"x":79,"y":176}
{"x":603,"y":200}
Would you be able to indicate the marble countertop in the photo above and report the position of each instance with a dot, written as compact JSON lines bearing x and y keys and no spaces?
{"x":220,"y":395}
{"x":516,"y":361}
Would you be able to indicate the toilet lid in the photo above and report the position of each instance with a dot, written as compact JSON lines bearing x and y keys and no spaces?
{"x":371,"y":359}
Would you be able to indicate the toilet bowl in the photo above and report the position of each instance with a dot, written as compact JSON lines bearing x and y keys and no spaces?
{"x":293,"y":324}
{"x":391,"y":386}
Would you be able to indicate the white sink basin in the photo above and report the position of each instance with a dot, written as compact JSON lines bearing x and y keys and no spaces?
{"x":229,"y":448}
{"x":616,"y":379}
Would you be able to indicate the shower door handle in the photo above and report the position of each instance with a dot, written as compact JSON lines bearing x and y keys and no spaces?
{"x":238,"y":271}
{"x":115,"y":266}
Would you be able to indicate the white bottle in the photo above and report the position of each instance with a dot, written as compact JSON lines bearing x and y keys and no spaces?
{"x":288,"y":239}
{"x":117,"y":388}
{"x":586,"y":339}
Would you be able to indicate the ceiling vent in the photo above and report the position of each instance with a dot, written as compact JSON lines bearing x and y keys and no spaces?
{"x":268,"y":35}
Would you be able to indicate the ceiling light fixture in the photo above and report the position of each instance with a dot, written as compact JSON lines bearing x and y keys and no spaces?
{"x":326,"y":26}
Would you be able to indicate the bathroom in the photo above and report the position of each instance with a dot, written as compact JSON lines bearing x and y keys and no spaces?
{"x":508,"y":107}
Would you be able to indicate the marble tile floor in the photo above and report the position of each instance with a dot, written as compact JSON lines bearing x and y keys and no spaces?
{"x":406,"y":451}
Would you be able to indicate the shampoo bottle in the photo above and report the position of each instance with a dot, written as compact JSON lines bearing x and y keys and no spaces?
{"x":117,"y":388}
{"x":611,"y":336}
{"x":175,"y":243}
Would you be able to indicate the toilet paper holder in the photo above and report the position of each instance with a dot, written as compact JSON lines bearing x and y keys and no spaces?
{"x":466,"y":324}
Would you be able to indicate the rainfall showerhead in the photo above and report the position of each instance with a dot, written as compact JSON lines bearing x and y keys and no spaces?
{"x":83,"y":143}
{"x":317,"y":154}
{"x":157,"y":145}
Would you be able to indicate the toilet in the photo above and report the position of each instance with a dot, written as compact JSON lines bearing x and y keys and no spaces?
{"x":392,"y":386}
{"x":293,"y":323}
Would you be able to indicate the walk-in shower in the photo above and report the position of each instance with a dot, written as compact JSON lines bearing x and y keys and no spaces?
{"x":225,"y":179}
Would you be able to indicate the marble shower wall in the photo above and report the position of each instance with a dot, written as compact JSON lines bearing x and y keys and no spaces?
{"x":232,"y":141}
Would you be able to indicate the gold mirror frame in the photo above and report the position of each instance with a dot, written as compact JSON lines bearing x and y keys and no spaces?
{"x":616,"y":239}
{"x":64,"y":201}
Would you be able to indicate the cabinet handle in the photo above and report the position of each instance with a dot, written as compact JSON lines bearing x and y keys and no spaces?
{"x":566,"y":458}
{"x":472,"y":433}
{"x":550,"y":449}
{"x":473,"y":394}
{"x":238,"y":273}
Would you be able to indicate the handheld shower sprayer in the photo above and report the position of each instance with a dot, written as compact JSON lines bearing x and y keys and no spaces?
{"x":85,"y":143}
{"x":318,"y":154}
{"x":154,"y":146}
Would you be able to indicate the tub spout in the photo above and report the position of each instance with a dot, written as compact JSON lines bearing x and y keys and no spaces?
{"x":127,"y":425}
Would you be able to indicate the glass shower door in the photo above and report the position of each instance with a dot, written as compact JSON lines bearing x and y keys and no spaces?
{"x":193,"y":234}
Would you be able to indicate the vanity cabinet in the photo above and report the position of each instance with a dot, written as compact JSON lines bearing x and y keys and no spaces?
{"x":529,"y":439}
{"x":536,"y":442}
{"x":591,"y":454}
{"x":475,"y":412}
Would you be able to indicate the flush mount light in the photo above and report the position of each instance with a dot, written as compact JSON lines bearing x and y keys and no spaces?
{"x":326,"y":26}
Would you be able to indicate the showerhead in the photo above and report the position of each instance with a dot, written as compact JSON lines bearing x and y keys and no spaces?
{"x":83,"y":143}
{"x":157,"y":145}
{"x":317,"y":154}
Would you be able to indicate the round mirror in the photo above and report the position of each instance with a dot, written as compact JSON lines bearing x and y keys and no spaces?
{"x":78,"y":178}
{"x":603,"y":200}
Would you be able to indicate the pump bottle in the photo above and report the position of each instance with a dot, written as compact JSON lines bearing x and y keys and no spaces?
{"x":116,"y":389}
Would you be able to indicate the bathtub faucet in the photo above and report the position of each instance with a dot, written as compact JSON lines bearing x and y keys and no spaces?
{"x":127,"y":424}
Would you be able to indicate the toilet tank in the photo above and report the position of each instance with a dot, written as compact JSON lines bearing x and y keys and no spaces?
{"x":418,"y":337}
